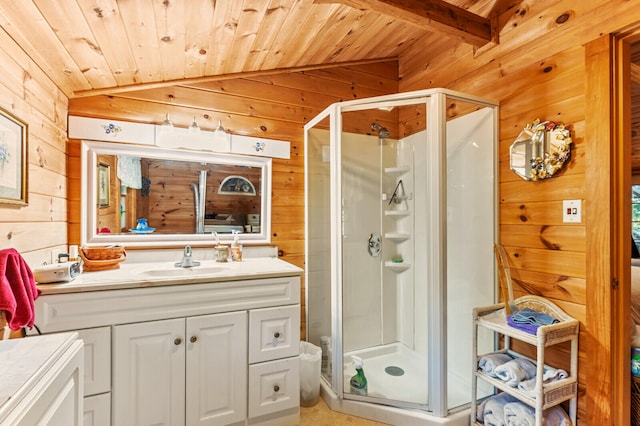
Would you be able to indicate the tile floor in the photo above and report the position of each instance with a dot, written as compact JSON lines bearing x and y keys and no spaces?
{"x":321,"y":415}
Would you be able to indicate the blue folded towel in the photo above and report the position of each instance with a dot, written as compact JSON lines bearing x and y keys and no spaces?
{"x":529,"y":316}
{"x":529,"y":320}
{"x":527,"y":328}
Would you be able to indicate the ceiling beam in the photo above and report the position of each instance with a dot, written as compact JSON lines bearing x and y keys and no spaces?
{"x":222,"y":77}
{"x":432,"y":15}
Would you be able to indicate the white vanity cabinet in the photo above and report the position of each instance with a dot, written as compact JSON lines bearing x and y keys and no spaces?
{"x":209,"y":353}
{"x":171,"y":371}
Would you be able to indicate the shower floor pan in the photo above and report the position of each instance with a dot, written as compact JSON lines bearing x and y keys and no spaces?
{"x":393,"y":372}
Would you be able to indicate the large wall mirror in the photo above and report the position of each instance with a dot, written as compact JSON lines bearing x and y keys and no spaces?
{"x":147,"y":196}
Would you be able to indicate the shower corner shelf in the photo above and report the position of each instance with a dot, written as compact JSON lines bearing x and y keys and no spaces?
{"x":549,"y":394}
{"x":397,"y":266}
{"x":396,"y":170}
{"x":397,"y":213}
{"x":397,"y":236}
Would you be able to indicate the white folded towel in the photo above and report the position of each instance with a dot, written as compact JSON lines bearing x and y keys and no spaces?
{"x":489,"y":362}
{"x":516,"y":371}
{"x":520,"y":414}
{"x":550,"y":375}
{"x":491,"y":411}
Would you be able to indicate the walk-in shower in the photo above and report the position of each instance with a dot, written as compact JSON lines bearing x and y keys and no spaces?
{"x":400,"y":226}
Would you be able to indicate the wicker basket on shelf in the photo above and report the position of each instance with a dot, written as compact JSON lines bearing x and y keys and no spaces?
{"x":102,"y":258}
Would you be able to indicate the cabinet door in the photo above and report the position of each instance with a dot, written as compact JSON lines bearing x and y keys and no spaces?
{"x":97,"y":360}
{"x":216,"y":392}
{"x":148,"y":373}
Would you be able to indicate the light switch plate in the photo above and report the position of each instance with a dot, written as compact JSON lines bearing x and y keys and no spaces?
{"x":572,"y":211}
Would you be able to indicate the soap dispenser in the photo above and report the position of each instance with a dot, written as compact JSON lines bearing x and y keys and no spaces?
{"x":359,"y":381}
{"x":236,"y":248}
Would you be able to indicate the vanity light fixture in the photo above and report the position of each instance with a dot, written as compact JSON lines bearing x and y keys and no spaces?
{"x":221,"y":139}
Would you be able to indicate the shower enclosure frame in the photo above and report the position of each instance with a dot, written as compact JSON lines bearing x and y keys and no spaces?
{"x":435,"y":100}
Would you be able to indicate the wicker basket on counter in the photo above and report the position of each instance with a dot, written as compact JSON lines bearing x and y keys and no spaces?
{"x":102,"y":258}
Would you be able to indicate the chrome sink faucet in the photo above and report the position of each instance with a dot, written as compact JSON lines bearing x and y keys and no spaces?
{"x":187,"y":259}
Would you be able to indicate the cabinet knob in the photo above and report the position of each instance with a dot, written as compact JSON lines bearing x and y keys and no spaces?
{"x":178,"y":341}
{"x":276,"y":334}
{"x":193,"y":339}
{"x":276,"y":388}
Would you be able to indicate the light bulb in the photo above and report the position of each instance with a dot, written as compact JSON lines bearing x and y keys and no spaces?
{"x":221,"y":139}
{"x":194,"y":128}
{"x":166,"y":126}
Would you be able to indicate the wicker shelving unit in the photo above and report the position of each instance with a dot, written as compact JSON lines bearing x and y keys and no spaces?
{"x":547,"y":395}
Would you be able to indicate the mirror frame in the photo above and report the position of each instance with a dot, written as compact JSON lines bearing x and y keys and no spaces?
{"x":541,"y":150}
{"x":89,"y":201}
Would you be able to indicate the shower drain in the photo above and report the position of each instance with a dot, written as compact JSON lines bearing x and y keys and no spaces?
{"x":392,"y":370}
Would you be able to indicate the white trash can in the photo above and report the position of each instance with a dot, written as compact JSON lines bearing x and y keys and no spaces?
{"x":310,"y":359}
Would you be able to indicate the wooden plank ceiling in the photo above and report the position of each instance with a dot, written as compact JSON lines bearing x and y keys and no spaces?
{"x":104,"y":46}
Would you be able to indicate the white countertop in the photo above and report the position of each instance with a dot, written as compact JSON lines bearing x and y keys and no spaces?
{"x":24,"y":361}
{"x":146,"y":274}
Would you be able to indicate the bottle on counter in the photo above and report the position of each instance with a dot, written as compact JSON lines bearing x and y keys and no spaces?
{"x":236,"y":247}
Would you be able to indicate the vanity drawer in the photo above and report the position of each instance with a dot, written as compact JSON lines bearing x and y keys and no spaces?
{"x":97,"y":360}
{"x":97,"y":410}
{"x":274,"y":386}
{"x":274,"y":333}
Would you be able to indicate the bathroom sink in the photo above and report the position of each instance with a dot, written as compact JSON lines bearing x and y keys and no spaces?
{"x":185,"y":272}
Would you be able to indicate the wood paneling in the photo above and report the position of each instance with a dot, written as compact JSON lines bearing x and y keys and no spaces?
{"x":28,"y":93}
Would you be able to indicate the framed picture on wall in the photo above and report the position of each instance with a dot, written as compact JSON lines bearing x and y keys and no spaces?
{"x":13,"y":159}
{"x":104,"y":183}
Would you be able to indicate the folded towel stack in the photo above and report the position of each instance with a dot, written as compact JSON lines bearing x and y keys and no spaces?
{"x":491,"y":411}
{"x":521,"y":414}
{"x":529,"y":320}
{"x":505,"y":410}
{"x":550,"y":375}
{"x":489,"y":362}
{"x":516,"y":371}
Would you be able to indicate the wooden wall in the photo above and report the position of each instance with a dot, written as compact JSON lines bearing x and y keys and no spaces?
{"x":537,"y":71}
{"x":275,"y":107}
{"x":40,"y":227}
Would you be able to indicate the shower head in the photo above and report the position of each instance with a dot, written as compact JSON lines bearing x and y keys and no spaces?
{"x":383,"y":133}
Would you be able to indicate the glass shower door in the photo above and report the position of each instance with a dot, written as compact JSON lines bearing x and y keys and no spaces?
{"x":378,"y":314}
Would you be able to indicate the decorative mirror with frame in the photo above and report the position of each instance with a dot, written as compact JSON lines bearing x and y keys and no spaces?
{"x":540,"y":151}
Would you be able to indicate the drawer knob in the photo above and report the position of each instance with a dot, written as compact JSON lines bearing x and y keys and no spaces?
{"x":276,"y":388}
{"x":276,"y":335}
{"x":193,"y":339}
{"x":178,"y":341}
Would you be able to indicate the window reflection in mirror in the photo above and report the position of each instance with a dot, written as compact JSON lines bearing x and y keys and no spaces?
{"x":136,"y":195}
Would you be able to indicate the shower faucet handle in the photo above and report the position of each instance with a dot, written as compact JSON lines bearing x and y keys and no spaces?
{"x":375,"y":244}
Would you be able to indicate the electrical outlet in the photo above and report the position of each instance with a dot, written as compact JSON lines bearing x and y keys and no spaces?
{"x":572,"y":211}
